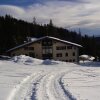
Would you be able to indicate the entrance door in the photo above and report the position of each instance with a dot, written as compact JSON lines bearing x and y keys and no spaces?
{"x":47,"y":56}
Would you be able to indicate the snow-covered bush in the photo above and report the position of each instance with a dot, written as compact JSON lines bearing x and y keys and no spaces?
{"x":86,"y":57}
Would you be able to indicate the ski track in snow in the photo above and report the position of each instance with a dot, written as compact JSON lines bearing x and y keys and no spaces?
{"x":20,"y":91}
{"x":67,"y":92}
{"x":50,"y":88}
{"x":42,"y":85}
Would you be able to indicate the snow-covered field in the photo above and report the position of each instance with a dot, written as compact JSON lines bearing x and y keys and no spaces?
{"x":24,"y":78}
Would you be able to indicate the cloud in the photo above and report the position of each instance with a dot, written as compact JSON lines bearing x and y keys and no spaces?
{"x":74,"y":1}
{"x":65,"y":14}
{"x":12,"y":10}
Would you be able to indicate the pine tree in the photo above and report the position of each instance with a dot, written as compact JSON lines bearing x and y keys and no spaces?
{"x":34,"y":21}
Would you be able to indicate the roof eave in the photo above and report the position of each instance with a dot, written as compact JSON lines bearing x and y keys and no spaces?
{"x":64,"y":41}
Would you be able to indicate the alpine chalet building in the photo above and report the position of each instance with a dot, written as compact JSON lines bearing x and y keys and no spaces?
{"x":48,"y":48}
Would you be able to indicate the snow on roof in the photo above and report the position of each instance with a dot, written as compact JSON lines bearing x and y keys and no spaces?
{"x":64,"y":41}
{"x":84,"y":56}
{"x":31,"y":38}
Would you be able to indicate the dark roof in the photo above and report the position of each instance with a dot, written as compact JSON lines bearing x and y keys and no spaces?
{"x":38,"y":39}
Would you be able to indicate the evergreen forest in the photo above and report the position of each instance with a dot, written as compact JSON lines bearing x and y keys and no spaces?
{"x":13,"y":32}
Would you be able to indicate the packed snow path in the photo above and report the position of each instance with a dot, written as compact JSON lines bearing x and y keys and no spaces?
{"x":50,"y":88}
{"x":32,"y":79}
{"x":43,"y":85}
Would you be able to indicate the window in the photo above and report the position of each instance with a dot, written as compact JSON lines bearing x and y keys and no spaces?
{"x":38,"y":42}
{"x":73,"y":60}
{"x":66,"y":54}
{"x":26,"y":54}
{"x":73,"y":53}
{"x":44,"y":43}
{"x":13,"y":54}
{"x":25,"y":48}
{"x":36,"y":55}
{"x":47,"y":42}
{"x":59,"y":54}
{"x":28,"y":48}
{"x":47,"y":49}
{"x":61,"y":48}
{"x":70,"y":60}
{"x":31,"y":48}
{"x":69,"y":47}
{"x":74,"y":47}
{"x":66,"y":60}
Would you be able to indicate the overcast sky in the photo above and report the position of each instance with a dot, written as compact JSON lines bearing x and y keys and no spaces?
{"x":71,"y":14}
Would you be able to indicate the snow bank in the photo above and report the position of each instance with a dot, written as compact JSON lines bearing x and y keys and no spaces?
{"x":26,"y":60}
{"x":90,"y":64}
{"x":31,"y":61}
{"x":58,"y":81}
{"x":91,"y":58}
{"x":52,"y":62}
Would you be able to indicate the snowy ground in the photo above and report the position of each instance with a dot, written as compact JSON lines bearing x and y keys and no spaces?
{"x":24,"y":78}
